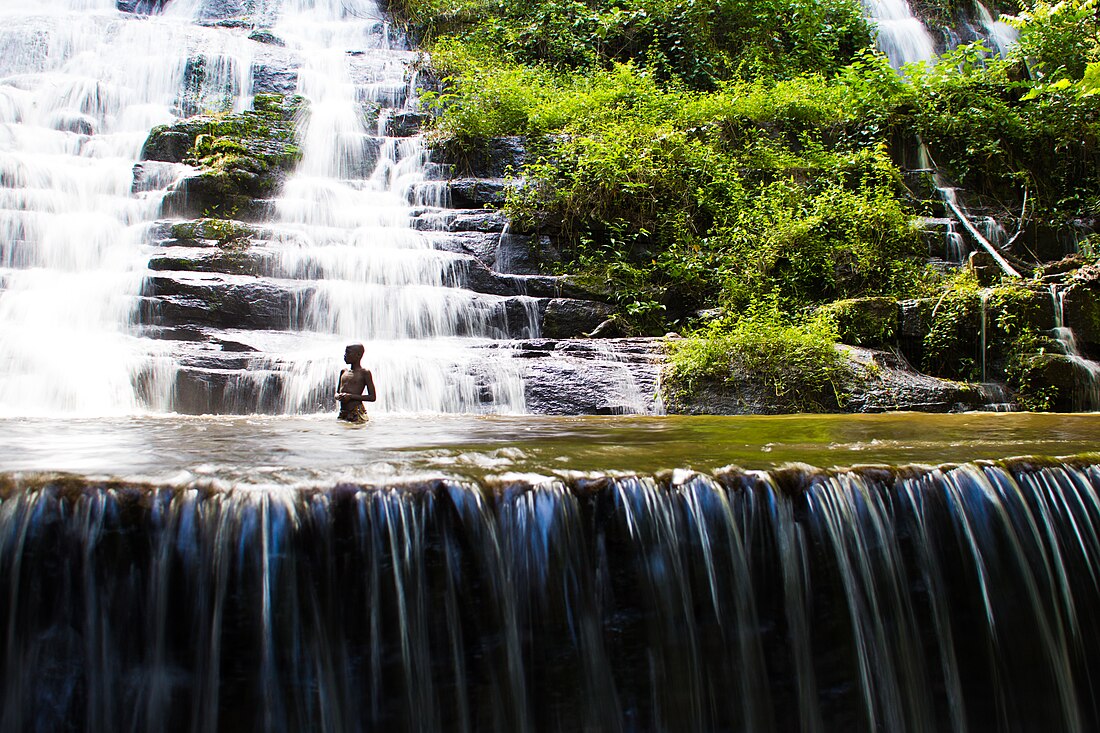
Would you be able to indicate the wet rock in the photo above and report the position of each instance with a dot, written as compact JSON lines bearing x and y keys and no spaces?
{"x":525,"y":254}
{"x":882,"y":382}
{"x":571,"y":318}
{"x":986,"y":270}
{"x":219,"y":261}
{"x":476,"y":220}
{"x":479,"y":245}
{"x":217,"y":302}
{"x":474,"y":193}
{"x":140,"y":7}
{"x":153,"y":176}
{"x":235,"y":193}
{"x":475,"y":276}
{"x":405,"y":124}
{"x":1052,"y":382}
{"x":265,"y":36}
{"x":170,"y":144}
{"x":499,"y":158}
{"x":1081,"y":309}
{"x":582,"y":377}
{"x":200,"y":391}
{"x":228,"y":11}
{"x":243,"y":159}
{"x":270,"y":78}
{"x":1057,"y":271}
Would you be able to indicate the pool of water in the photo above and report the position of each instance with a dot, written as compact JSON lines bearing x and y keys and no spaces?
{"x":259,"y":451}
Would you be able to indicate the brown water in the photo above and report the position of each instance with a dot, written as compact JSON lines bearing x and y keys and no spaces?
{"x":317,"y":450}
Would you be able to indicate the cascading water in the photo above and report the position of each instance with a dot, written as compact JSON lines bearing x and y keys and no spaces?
{"x":343,"y":221}
{"x":962,"y":598}
{"x":901,"y":35}
{"x":1088,"y":394}
{"x":1001,"y":35}
{"x":71,"y":233}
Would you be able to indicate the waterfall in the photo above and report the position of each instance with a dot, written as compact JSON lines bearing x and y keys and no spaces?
{"x":79,"y":90}
{"x":82,"y":84}
{"x":343,"y":224}
{"x":901,"y":35}
{"x":959,"y":598}
{"x":1001,"y":35}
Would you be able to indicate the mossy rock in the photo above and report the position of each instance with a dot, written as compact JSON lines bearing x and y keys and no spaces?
{"x":1050,"y":382}
{"x":243,"y":158}
{"x":224,"y":233}
{"x":864,"y":321}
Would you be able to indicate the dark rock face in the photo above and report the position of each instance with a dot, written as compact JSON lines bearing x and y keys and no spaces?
{"x":217,"y":302}
{"x":583,"y":377}
{"x":273,"y":78}
{"x":170,"y":144}
{"x":884,"y":383}
{"x":405,"y":124}
{"x":238,"y":193}
{"x":569,"y":318}
{"x":266,"y":37}
{"x":473,"y":193}
{"x":499,"y":158}
{"x":1081,"y":304}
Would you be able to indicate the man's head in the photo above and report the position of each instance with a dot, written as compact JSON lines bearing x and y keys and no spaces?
{"x":353,"y":354}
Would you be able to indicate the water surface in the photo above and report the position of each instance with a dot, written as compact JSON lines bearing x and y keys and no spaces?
{"x":319,"y":451}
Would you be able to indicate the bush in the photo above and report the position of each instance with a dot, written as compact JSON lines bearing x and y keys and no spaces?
{"x":798,"y":361}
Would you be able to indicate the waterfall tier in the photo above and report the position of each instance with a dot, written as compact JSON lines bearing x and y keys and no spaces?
{"x":959,"y":598}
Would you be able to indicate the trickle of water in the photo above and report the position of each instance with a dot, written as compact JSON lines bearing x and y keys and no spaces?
{"x":1088,"y":396}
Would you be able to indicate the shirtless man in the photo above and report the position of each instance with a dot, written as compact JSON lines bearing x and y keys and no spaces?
{"x":352,"y":383}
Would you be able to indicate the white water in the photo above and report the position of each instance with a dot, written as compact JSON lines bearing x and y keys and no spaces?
{"x":80,"y":86}
{"x":901,"y":35}
{"x":1001,"y":35}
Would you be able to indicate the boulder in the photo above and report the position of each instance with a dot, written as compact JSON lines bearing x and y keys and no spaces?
{"x":405,"y":124}
{"x":218,"y":302}
{"x":571,"y":318}
{"x":583,"y":377}
{"x":881,"y":381}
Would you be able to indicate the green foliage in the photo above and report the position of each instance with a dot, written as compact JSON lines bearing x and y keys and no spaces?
{"x":1059,"y":40}
{"x":797,"y":361}
{"x":697,"y":44}
{"x":863,"y":321}
{"x":1014,"y":319}
{"x":696,"y":157}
